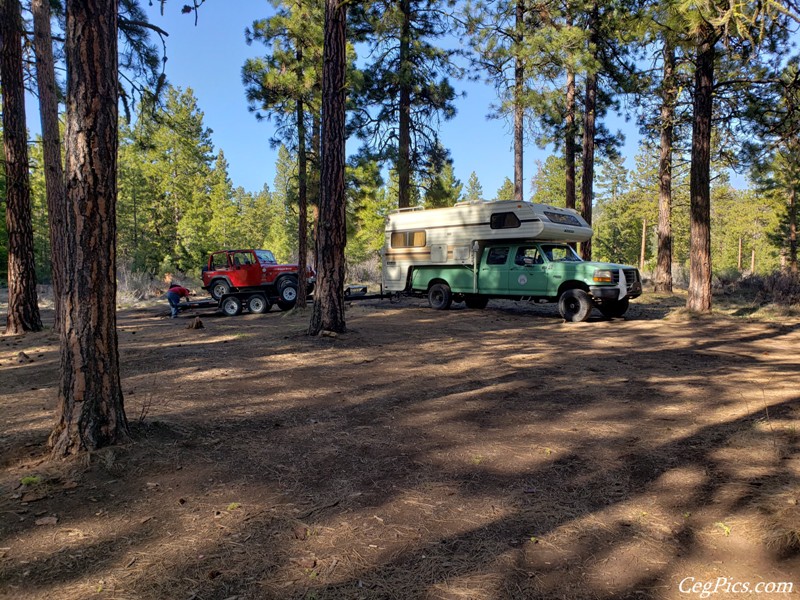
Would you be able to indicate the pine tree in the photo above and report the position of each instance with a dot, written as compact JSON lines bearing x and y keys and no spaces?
{"x":506,"y":191}
{"x":406,"y":92}
{"x":285,"y":84}
{"x":474,"y":191}
{"x":23,"y":309}
{"x":91,"y":412}
{"x":715,"y":30}
{"x":328,"y":311}
{"x":442,"y":188}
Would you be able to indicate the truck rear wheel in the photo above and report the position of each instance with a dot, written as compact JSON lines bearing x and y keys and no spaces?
{"x":439,"y":296}
{"x":476,"y":302}
{"x":575,"y":305}
{"x":232,"y":306}
{"x":614,"y":308}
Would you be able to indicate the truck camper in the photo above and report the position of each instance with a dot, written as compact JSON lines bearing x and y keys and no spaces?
{"x":475,"y":251}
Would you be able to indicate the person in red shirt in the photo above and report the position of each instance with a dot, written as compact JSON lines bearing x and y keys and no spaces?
{"x":174,"y":295}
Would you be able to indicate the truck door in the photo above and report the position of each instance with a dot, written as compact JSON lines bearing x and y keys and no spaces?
{"x":527,"y":275}
{"x":493,"y":275}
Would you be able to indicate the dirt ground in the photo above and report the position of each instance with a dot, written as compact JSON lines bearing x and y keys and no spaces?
{"x":451,"y":455}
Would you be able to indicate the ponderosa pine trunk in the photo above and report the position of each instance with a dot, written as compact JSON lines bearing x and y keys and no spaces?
{"x":51,"y":146}
{"x":589,"y":126}
{"x":91,"y":412}
{"x":569,"y":130}
{"x":569,"y":140}
{"x":328,"y":312}
{"x":519,"y":108}
{"x":404,"y":118}
{"x":699,"y":297}
{"x":663,"y":276}
{"x":23,"y":307}
{"x":793,"y":230}
{"x":302,"y":194}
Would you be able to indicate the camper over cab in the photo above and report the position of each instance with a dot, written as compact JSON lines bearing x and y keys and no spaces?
{"x":472,"y":252}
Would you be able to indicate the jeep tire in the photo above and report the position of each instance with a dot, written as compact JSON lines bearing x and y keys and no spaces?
{"x":218,"y":288}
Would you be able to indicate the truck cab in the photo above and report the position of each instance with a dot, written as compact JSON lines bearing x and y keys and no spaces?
{"x":532,"y":270}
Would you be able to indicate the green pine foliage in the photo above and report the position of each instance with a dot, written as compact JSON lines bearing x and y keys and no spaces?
{"x":442,"y":187}
{"x":506,"y":191}
{"x":474,"y":191}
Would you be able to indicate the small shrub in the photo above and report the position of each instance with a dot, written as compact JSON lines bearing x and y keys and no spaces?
{"x":781,"y":288}
{"x":366,"y":271}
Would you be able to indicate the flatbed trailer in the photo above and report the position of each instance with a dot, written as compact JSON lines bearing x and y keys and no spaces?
{"x":258,"y":302}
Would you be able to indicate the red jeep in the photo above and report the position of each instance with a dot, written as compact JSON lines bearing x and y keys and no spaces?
{"x":249,"y":270}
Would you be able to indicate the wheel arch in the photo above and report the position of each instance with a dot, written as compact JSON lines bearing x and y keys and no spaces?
{"x":436,"y":280}
{"x":573,"y":284}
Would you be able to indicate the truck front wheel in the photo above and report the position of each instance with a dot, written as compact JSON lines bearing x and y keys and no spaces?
{"x":439,"y":296}
{"x":575,"y":305}
{"x":614,"y":308}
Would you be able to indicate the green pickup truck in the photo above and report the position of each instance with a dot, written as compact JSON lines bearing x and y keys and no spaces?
{"x":530,"y":270}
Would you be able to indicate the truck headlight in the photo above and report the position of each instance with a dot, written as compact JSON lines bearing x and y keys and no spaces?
{"x":603,"y":276}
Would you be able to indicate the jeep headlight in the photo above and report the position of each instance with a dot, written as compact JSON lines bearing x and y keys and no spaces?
{"x":603,"y":276}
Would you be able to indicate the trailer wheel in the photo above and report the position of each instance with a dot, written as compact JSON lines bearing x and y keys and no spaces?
{"x":232,"y":306}
{"x":575,"y":305}
{"x":219,"y":287}
{"x":258,"y":304}
{"x":476,"y":302}
{"x":614,"y":308}
{"x":439,"y":296}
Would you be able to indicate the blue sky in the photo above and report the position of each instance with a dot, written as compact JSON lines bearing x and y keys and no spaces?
{"x":208,"y":58}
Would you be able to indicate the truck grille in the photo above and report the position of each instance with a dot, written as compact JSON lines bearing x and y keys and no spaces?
{"x":631,"y":276}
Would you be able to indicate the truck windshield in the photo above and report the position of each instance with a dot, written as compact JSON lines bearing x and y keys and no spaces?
{"x":265,"y":256}
{"x":560,"y":253}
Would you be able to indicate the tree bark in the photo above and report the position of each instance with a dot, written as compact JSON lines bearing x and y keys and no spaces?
{"x":51,"y":145}
{"x":589,"y":124}
{"x":404,"y":126}
{"x":519,"y":108}
{"x":663,"y":278}
{"x":91,"y":412}
{"x":793,"y":230}
{"x":302,"y":194}
{"x":569,"y":141}
{"x":699,"y":298}
{"x":23,"y":307}
{"x":328,"y":312}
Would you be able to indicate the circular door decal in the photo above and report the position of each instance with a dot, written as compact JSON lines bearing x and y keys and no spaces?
{"x":522,"y":280}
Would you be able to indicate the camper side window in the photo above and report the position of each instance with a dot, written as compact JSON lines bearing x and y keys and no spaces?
{"x":507,"y":220}
{"x":408,"y":239}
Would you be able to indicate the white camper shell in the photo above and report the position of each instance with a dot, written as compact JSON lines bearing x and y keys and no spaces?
{"x":446,"y":236}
